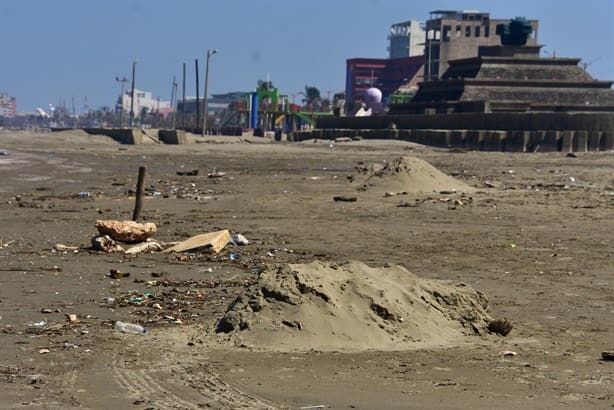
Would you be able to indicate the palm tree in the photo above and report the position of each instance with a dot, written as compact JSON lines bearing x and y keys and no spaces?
{"x":312,"y":96}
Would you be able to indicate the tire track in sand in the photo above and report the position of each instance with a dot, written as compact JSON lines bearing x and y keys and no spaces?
{"x":150,"y":383}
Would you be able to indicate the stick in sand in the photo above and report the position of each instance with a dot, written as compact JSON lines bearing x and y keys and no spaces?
{"x":138,"y":204}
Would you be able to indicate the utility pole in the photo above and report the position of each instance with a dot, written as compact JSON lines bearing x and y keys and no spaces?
{"x":183,"y":101}
{"x":209,"y":54}
{"x":132,"y":95}
{"x":121,"y":112}
{"x":174,"y":105}
{"x":197,"y":102}
{"x":74,"y":115}
{"x":173,"y":96}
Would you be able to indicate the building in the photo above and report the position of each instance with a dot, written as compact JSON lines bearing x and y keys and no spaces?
{"x":406,"y":39}
{"x":386,"y":74}
{"x":144,"y":100}
{"x":215,"y":104}
{"x":8,"y":106}
{"x":452,"y":35}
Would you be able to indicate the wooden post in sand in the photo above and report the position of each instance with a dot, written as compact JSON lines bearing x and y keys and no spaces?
{"x":138,"y":203}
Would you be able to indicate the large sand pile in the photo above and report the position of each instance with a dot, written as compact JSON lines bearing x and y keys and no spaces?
{"x":351,"y":306}
{"x":406,"y":174}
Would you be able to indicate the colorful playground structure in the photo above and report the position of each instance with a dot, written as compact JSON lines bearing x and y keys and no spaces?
{"x":267,"y":110}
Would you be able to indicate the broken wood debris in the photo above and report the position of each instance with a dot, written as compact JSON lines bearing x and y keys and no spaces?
{"x":212,"y":240}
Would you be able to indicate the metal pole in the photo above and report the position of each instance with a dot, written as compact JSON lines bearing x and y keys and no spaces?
{"x":183,"y":101}
{"x":121,"y":112}
{"x":173,"y":97}
{"x":206,"y":111}
{"x":175,"y":106}
{"x":197,"y":102}
{"x":132,"y":95}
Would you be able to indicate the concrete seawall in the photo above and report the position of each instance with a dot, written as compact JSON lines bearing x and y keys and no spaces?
{"x":523,"y":132}
{"x":483,"y":140}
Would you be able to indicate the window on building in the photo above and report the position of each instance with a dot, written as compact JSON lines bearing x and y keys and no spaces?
{"x":446,"y":32}
{"x":468,"y":31}
{"x":477,"y":31}
{"x":486,"y":31}
{"x":470,"y":18}
{"x":458,"y":31}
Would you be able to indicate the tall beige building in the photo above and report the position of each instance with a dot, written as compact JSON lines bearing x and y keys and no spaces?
{"x":451,"y":35}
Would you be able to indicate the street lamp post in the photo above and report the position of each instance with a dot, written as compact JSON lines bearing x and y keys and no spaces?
{"x":132,"y":95}
{"x":121,"y":113}
{"x":205,"y":110}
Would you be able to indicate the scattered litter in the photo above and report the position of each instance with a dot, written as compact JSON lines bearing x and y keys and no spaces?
{"x":4,"y":153}
{"x":6,"y":244}
{"x":147,"y":246}
{"x":117,"y":274}
{"x":345,"y":199}
{"x":216,"y":174}
{"x":132,"y":328}
{"x":43,"y":351}
{"x":191,"y":173}
{"x":607,"y":356}
{"x":507,"y":353}
{"x":318,"y":406}
{"x":84,"y":194}
{"x":240,"y":239}
{"x":71,"y":318}
{"x":571,"y":155}
{"x":62,"y":248}
{"x":213,"y":240}
{"x":105,"y":244}
{"x":491,"y":184}
{"x":390,"y":194}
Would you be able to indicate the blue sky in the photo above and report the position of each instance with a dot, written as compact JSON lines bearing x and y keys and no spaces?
{"x":76,"y":48}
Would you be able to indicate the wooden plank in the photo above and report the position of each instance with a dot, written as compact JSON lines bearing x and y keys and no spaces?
{"x":214,"y":240}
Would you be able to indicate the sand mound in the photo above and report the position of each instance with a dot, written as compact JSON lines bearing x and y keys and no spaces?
{"x":78,"y":136}
{"x":351,"y":306}
{"x":406,"y":174}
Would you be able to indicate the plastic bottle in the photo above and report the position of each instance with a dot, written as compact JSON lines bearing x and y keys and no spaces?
{"x":130,"y":328}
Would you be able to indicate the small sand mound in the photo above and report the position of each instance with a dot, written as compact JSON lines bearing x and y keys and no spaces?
{"x":351,"y":306}
{"x":406,"y":174}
